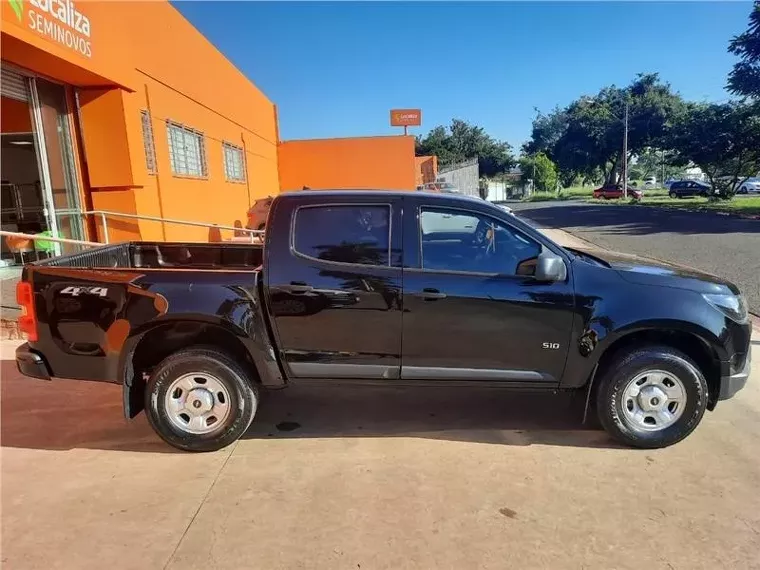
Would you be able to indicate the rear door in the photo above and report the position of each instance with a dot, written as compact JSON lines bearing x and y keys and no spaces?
{"x":472,"y":308}
{"x":334,"y":288}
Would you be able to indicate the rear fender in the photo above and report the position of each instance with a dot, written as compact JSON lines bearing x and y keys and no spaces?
{"x":250,"y":347}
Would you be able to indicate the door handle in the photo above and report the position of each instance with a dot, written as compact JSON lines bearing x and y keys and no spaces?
{"x":299,"y":287}
{"x":430,"y":294}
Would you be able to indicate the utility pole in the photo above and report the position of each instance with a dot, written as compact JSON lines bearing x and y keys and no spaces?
{"x":625,"y":154}
{"x":533,"y":181}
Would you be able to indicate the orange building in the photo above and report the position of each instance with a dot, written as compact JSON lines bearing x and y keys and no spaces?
{"x":358,"y":163}
{"x":125,"y":107}
{"x":426,"y":168}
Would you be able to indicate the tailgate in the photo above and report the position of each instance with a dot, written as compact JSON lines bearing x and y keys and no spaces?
{"x":84,"y":316}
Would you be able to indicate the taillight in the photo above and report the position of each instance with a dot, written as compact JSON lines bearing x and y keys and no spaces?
{"x":27,"y":322}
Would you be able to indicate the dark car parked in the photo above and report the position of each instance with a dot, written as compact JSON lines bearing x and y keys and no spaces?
{"x":386,"y":289}
{"x":615,"y":191}
{"x":683,"y":188}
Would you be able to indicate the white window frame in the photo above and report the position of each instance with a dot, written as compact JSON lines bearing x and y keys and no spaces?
{"x":148,"y":142}
{"x":231,"y":173}
{"x":187,"y":151}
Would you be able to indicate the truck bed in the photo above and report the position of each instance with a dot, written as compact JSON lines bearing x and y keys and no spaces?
{"x":164,"y":255}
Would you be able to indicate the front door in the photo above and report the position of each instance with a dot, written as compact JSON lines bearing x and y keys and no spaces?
{"x":335,"y":289}
{"x":472,"y":309}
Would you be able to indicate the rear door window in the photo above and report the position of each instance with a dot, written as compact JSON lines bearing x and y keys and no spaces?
{"x":355,"y":234}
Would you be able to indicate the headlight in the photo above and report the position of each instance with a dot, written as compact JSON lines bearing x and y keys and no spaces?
{"x":733,"y":306}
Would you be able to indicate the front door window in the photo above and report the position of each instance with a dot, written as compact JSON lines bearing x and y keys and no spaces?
{"x":474,"y":243}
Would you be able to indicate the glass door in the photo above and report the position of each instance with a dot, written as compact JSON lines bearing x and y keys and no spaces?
{"x":24,"y":208}
{"x":53,"y":134}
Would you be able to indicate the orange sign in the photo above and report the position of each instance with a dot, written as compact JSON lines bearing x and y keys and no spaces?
{"x":406,"y":117}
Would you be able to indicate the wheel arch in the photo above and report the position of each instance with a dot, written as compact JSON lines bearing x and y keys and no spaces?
{"x":164,"y":338}
{"x":696,"y":346}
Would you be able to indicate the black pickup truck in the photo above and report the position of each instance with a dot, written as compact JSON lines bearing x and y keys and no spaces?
{"x":384,"y":288}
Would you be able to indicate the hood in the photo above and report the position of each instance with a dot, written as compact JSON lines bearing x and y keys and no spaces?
{"x":647,"y":271}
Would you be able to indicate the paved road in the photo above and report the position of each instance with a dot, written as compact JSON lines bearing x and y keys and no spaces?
{"x":371,"y":479}
{"x":722,"y":245}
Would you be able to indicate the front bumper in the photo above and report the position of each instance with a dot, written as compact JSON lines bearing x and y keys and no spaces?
{"x":31,"y":363}
{"x":734,"y":380}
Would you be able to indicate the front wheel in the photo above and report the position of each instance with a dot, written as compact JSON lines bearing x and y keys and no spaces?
{"x":200,"y":400}
{"x":651,"y":397}
{"x":673,"y":195}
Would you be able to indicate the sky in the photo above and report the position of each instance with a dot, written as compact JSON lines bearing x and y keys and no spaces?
{"x":336,"y":69}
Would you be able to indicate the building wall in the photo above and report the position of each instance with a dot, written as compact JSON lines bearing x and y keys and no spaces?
{"x":147,"y":56}
{"x":361,"y":163}
{"x":465,"y":176}
{"x":14,"y":116}
{"x":426,"y":169}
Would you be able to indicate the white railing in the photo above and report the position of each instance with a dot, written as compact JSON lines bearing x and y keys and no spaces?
{"x":15,"y":249}
{"x":105,"y":214}
{"x":39,"y":237}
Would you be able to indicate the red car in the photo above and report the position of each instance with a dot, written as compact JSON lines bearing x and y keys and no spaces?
{"x":615,"y":191}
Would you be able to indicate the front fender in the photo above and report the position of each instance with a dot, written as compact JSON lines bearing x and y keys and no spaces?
{"x":602,"y":323}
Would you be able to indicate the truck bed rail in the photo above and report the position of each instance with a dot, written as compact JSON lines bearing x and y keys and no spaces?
{"x":163,"y":255}
{"x":118,"y":255}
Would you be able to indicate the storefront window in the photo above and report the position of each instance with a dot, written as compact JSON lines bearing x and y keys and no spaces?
{"x":59,"y":151}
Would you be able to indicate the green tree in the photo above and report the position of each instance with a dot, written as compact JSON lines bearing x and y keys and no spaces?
{"x":744,"y":79}
{"x":545,"y":171}
{"x":586,"y":137}
{"x":658,"y":162}
{"x":547,"y":130}
{"x":723,"y":140}
{"x":463,"y":141}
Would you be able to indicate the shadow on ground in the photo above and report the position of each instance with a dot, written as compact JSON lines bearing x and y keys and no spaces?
{"x":635,"y":220}
{"x":66,"y":414}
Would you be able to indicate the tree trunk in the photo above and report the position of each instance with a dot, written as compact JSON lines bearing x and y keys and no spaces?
{"x":612,"y":176}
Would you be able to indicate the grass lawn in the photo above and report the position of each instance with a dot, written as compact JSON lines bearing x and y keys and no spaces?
{"x":739,"y":205}
{"x":564,"y":194}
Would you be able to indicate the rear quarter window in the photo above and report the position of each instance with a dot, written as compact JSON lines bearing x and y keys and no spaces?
{"x":355,"y":234}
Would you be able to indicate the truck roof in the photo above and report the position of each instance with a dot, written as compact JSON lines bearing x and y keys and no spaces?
{"x":306,"y":194}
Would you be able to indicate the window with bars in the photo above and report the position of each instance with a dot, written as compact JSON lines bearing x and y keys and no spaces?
{"x":234,"y":163}
{"x":150,"y":149}
{"x":187,"y":150}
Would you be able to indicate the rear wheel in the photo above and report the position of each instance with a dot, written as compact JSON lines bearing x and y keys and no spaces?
{"x":651,"y":397}
{"x":200,"y":400}
{"x":743,"y":190}
{"x":673,"y":195}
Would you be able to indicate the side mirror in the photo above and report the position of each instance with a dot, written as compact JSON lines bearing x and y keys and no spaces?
{"x":550,"y":267}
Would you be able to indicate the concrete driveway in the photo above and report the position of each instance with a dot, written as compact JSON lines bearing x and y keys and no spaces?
{"x":368,"y":479}
{"x":723,"y":245}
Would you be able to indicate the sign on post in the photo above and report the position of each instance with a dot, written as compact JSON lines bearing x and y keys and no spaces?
{"x":406,"y":118}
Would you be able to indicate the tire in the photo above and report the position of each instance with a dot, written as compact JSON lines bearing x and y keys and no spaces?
{"x":743,"y":190}
{"x":649,"y":362}
{"x":673,"y":195}
{"x":216,"y":369}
